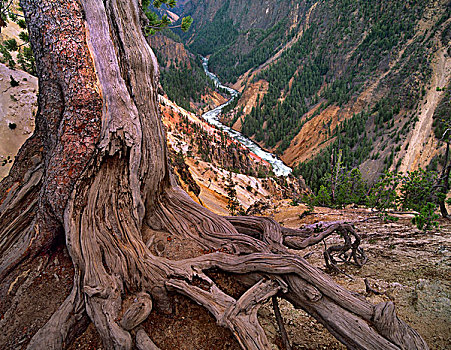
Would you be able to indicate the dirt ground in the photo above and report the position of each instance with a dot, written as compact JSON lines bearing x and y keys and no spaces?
{"x":17,"y":105}
{"x":35,"y":291}
{"x":412,"y":268}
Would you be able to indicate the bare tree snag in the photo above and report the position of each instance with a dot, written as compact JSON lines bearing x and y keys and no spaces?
{"x":96,"y":172}
{"x":279,"y":319}
{"x":442,"y":184}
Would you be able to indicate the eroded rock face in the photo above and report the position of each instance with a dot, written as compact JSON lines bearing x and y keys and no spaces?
{"x":171,"y":50}
{"x":182,"y":170}
{"x":18,"y":105}
{"x":246,"y":14}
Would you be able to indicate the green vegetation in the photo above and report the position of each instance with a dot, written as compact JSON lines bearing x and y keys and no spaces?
{"x":184,"y":84}
{"x":427,"y":218}
{"x":283,"y":119}
{"x":383,"y":195}
{"x":233,"y":205}
{"x":343,"y":49}
{"x":155,"y":23}
{"x":340,"y":187}
{"x":442,"y":114}
{"x":315,"y":61}
{"x":352,"y":138}
{"x":229,"y":64}
{"x":416,"y":190}
{"x":231,"y":106}
{"x":25,"y":58}
{"x":216,"y":34}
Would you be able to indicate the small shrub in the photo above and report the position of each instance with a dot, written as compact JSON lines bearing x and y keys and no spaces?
{"x":11,"y":45}
{"x":12,"y":126}
{"x":388,"y":218}
{"x":22,"y":24}
{"x":323,"y":198}
{"x":294,"y":202}
{"x":383,"y":194}
{"x":417,"y":189}
{"x":233,"y":204}
{"x":427,"y":218}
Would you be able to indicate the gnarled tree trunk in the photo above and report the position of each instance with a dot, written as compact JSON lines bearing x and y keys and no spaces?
{"x":96,"y":171}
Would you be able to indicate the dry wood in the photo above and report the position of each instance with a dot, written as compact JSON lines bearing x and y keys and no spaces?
{"x":240,"y":316}
{"x":137,"y":312}
{"x":143,"y":342}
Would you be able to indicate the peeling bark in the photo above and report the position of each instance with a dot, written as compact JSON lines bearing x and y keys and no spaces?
{"x":96,"y":170}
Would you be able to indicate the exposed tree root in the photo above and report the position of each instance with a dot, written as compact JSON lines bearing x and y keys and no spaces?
{"x":280,"y":238}
{"x":143,"y":342}
{"x":240,"y":316}
{"x":300,"y":283}
{"x":18,"y":217}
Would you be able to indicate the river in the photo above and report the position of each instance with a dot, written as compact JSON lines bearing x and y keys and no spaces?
{"x":279,"y":168}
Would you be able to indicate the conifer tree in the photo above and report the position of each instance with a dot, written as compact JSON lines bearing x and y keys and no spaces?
{"x":233,"y":204}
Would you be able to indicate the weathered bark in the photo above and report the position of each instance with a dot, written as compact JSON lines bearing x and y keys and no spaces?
{"x":96,"y":170}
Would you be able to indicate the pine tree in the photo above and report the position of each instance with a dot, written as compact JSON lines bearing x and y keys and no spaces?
{"x":233,"y":204}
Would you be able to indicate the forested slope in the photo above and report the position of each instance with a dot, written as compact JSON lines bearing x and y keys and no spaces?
{"x":368,"y":63}
{"x":182,"y":76}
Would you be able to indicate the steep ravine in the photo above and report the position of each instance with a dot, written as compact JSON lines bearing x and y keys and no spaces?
{"x":279,"y":168}
{"x":344,"y":58}
{"x":422,"y":145}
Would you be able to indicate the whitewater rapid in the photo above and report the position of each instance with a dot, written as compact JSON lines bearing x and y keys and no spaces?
{"x":279,"y":168}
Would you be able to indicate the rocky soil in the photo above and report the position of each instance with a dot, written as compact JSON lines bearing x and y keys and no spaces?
{"x":17,"y":107}
{"x":410,"y":267}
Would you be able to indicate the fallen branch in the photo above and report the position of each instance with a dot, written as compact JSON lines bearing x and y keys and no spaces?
{"x":279,"y":319}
